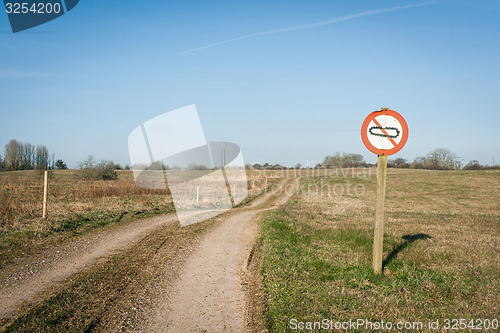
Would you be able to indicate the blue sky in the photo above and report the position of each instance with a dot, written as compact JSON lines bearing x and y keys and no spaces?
{"x":289,"y":81}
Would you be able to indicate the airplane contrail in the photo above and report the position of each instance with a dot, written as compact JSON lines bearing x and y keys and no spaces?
{"x":309,"y":25}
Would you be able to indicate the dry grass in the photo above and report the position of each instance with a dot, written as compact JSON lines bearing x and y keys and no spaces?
{"x":76,"y":206}
{"x":441,"y":244}
{"x":22,"y":191}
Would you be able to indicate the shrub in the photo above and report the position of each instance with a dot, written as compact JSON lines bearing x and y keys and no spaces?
{"x":61,"y":165}
{"x":398,"y":163}
{"x":344,"y":160}
{"x":90,"y":169}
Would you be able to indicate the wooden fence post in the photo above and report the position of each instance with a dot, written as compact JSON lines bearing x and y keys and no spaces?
{"x":45,"y":188}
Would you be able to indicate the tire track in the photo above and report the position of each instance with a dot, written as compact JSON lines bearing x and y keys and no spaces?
{"x":24,"y":281}
{"x":208,"y":296}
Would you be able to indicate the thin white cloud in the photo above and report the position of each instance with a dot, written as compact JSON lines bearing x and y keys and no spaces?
{"x":310,"y":25}
{"x":9,"y":74}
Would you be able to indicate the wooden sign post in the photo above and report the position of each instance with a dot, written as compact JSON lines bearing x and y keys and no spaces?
{"x":378,"y":237}
{"x":384,"y":133}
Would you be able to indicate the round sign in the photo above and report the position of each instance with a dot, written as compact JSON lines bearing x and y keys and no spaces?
{"x":384,"y":132}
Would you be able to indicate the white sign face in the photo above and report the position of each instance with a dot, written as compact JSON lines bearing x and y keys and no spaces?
{"x":384,"y":132}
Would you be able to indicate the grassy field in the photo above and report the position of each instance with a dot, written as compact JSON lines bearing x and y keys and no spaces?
{"x":75,"y":207}
{"x":441,"y":260}
{"x":441,"y":252}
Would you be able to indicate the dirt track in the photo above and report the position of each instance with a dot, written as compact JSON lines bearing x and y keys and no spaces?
{"x":24,"y":280}
{"x":206,"y":296}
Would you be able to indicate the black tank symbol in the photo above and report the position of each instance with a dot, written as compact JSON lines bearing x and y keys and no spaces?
{"x":381,"y":131}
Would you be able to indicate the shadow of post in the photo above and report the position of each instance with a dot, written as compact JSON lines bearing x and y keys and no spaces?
{"x":408,"y":239}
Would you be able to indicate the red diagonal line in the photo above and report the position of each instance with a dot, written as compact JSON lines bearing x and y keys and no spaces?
{"x":385,"y":132}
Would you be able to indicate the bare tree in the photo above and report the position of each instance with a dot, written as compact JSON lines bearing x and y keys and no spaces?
{"x":13,"y":155}
{"x":440,"y":158}
{"x":25,"y":156}
{"x":42,"y":157}
{"x":443,"y":157}
{"x":28,"y":158}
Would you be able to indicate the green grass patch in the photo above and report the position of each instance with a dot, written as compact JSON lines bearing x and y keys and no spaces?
{"x":439,"y":264}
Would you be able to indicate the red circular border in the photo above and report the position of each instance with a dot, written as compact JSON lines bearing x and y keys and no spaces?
{"x":372,"y":148}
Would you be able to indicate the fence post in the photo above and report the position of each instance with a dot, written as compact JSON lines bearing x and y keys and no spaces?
{"x":45,"y":187}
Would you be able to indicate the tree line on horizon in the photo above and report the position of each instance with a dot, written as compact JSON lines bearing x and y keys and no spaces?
{"x":437,"y":159}
{"x":26,"y":156}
